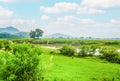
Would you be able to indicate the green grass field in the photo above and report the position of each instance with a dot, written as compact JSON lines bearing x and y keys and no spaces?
{"x":62,"y":68}
{"x":58,"y":67}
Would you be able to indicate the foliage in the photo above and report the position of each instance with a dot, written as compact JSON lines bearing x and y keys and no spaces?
{"x":84,"y":50}
{"x":21,"y":64}
{"x":110,"y":54}
{"x":73,"y":42}
{"x":67,"y":50}
{"x":92,"y":50}
{"x":36,"y":34}
{"x":111,"y":43}
{"x":32,"y":34}
{"x":5,"y":45}
{"x":7,"y":35}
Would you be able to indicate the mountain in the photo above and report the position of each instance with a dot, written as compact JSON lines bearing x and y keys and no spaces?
{"x":10,"y":30}
{"x":59,"y":35}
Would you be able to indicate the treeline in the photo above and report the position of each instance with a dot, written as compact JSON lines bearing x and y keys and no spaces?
{"x":7,"y":35}
{"x":74,"y":42}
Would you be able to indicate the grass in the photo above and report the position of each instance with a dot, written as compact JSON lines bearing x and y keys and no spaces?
{"x":62,"y":68}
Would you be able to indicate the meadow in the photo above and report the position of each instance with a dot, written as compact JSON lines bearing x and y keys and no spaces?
{"x":27,"y":60}
{"x":62,"y":68}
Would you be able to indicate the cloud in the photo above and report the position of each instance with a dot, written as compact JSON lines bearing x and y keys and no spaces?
{"x":5,"y":13}
{"x":86,"y":10}
{"x":16,"y":22}
{"x":11,"y":1}
{"x":62,"y":7}
{"x":21,"y":24}
{"x":75,"y":26}
{"x":7,"y":0}
{"x":73,"y":19}
{"x":85,"y":7}
{"x":59,"y":7}
{"x":101,"y":3}
{"x":45,"y":17}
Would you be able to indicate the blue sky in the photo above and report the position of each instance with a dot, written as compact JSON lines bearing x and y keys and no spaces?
{"x":79,"y":18}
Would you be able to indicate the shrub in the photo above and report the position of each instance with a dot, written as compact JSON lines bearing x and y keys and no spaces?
{"x":7,"y":67}
{"x":67,"y":50}
{"x":92,"y":50}
{"x":84,"y":50}
{"x":112,"y":43}
{"x":6,"y":45}
{"x":22,"y":64}
{"x":110,"y":54}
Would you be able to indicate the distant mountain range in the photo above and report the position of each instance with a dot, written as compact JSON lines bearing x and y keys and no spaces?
{"x":58,"y":35}
{"x":12,"y":32}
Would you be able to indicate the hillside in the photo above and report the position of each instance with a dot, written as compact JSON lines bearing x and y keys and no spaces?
{"x":10,"y":30}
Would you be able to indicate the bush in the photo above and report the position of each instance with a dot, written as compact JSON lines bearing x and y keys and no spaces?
{"x":67,"y":50}
{"x":84,"y":50}
{"x":110,"y":54}
{"x":21,"y":64}
{"x":92,"y":50}
{"x":6,"y":45}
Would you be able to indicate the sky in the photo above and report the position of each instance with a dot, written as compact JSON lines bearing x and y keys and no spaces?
{"x":78,"y":18}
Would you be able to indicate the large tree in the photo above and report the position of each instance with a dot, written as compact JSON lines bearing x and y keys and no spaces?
{"x":36,"y":34}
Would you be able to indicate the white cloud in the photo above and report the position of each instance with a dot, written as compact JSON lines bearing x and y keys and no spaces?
{"x":5,"y":13}
{"x":82,"y":8}
{"x":59,"y":7}
{"x":22,"y":24}
{"x":9,"y":1}
{"x":85,"y":7}
{"x":45,"y":17}
{"x":78,"y":27}
{"x":86,"y":10}
{"x":16,"y":22}
{"x":73,"y":19}
{"x":101,"y":3}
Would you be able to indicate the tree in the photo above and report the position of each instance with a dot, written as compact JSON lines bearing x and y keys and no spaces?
{"x":32,"y":34}
{"x":39,"y":33}
{"x":36,"y":34}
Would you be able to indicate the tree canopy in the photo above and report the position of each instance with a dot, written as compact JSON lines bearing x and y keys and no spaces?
{"x":36,"y":34}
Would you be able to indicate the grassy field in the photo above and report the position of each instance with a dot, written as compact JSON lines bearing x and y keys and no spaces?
{"x":57,"y":67}
{"x":62,"y":68}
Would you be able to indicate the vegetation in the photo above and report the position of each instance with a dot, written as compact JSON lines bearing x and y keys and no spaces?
{"x":7,"y":35}
{"x":36,"y":34}
{"x":83,"y":52}
{"x":20,"y":63}
{"x":23,"y":60}
{"x":110,"y":54}
{"x":62,"y":68}
{"x":67,"y":50}
{"x":73,"y":42}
